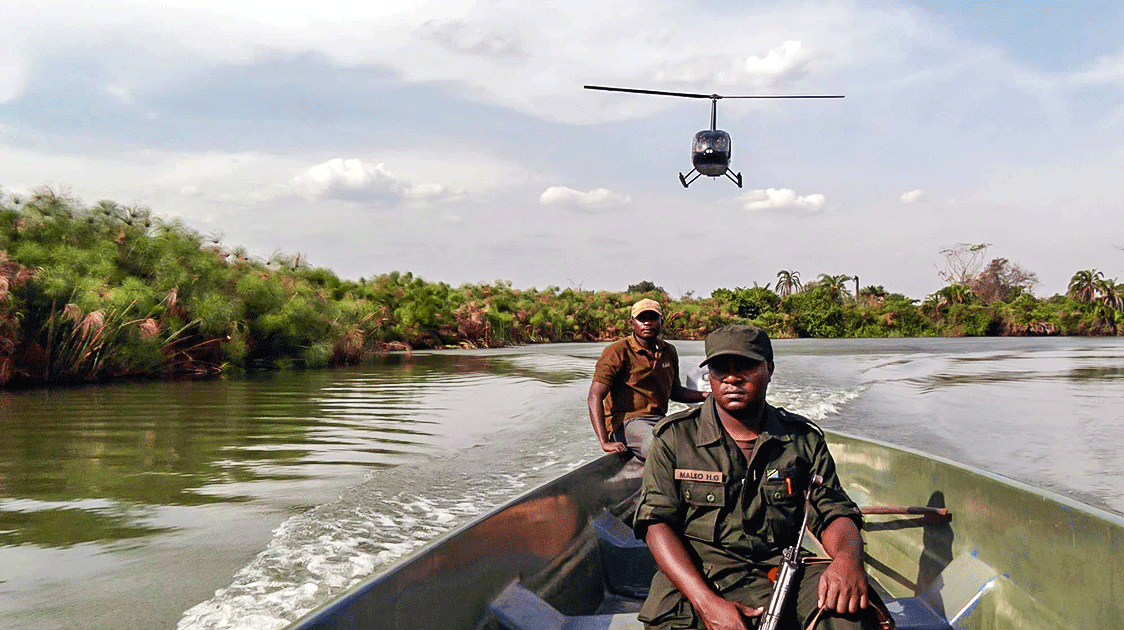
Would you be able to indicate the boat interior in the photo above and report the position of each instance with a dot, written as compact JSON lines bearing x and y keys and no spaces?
{"x":602,"y":582}
{"x":946,"y":546}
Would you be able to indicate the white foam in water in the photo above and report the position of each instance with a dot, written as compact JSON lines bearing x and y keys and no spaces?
{"x":816,"y":405}
{"x":328,"y":549}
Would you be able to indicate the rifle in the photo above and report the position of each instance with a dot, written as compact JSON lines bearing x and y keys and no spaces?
{"x":789,"y":565}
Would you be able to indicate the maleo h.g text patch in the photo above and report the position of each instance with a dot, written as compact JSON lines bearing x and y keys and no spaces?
{"x":709,"y":476}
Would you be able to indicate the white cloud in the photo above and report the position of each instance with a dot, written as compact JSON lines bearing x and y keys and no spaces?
{"x":121,"y":93}
{"x":433,"y":192}
{"x":13,"y":74}
{"x":1107,"y":69}
{"x":912,"y":196}
{"x":352,"y":179}
{"x":786,"y":59}
{"x":474,"y":39}
{"x":517,"y":55}
{"x":598,"y":199}
{"x":781,"y":199}
{"x":349,"y":179}
{"x":15,"y":192}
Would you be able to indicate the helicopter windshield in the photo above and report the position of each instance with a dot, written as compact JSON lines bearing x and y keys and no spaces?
{"x":717,"y":142}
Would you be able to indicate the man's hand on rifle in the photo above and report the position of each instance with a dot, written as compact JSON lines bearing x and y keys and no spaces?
{"x":717,"y":613}
{"x":722,"y":614}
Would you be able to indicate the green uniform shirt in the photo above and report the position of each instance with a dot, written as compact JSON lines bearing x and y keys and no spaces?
{"x":735,"y":517}
{"x":640,"y":380}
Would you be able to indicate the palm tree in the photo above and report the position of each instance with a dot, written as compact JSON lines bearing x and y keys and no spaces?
{"x":872,"y":294}
{"x":835,"y":285}
{"x":1085,"y":285}
{"x":933,"y":306}
{"x":1110,"y":294}
{"x":788,"y":282}
{"x":956,"y":294}
{"x":1106,"y":317}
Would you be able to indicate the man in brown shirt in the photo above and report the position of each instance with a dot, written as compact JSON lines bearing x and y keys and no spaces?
{"x":632,"y":383}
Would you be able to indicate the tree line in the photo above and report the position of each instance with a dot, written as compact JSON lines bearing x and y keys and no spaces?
{"x":90,"y":293}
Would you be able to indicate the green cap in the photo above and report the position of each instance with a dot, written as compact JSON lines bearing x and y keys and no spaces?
{"x":740,"y":341}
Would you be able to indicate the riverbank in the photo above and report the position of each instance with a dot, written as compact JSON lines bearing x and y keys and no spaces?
{"x":103,"y":292}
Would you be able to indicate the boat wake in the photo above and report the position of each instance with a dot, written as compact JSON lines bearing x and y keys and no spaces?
{"x":326,"y":550}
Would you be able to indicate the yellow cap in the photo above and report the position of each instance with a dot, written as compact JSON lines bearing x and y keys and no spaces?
{"x":646,"y":305}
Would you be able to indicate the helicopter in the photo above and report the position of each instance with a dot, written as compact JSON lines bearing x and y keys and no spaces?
{"x":710,"y":151}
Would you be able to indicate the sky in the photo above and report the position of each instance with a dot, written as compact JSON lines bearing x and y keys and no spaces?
{"x":453,"y":138}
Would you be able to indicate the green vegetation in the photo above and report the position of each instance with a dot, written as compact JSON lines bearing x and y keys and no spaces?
{"x":106,"y":291}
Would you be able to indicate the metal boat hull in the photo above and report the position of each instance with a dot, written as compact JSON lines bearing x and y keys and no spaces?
{"x":1010,"y":557}
{"x":1013,"y":556}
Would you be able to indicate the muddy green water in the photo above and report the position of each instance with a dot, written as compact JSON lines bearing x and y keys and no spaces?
{"x":242,"y":503}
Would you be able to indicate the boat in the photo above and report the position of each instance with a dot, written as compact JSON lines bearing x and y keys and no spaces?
{"x":947,"y":546}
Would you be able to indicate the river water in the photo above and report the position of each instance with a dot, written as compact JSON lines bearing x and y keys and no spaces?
{"x":243,"y":503}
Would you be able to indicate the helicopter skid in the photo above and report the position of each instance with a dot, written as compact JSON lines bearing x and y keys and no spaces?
{"x":734,"y":177}
{"x":687,"y":182}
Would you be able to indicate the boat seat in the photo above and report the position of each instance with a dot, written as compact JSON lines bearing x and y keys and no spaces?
{"x":628,"y":566}
{"x":911,"y":613}
{"x":517,"y":608}
{"x":626,"y":563}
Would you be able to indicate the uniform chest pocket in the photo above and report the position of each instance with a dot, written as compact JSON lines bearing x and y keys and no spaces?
{"x":784,"y":505}
{"x":705,"y":502}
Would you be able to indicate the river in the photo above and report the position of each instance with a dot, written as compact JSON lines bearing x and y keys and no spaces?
{"x":244,"y":502}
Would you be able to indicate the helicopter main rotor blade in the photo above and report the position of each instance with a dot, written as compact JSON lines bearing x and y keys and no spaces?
{"x":660,"y":92}
{"x":789,"y":96}
{"x":710,"y":96}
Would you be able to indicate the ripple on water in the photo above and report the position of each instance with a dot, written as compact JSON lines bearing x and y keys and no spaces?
{"x":327,"y":549}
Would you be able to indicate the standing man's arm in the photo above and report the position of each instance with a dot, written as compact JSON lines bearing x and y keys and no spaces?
{"x":684,"y":395}
{"x":671,"y":555}
{"x":596,"y":401}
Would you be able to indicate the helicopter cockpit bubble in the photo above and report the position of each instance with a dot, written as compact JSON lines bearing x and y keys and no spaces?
{"x":710,"y":152}
{"x":713,"y":140}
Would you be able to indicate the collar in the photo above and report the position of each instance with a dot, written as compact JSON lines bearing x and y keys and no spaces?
{"x":637,"y":347}
{"x":710,"y":429}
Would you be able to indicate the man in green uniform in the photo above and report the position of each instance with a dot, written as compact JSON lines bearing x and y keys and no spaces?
{"x":723,"y":495}
{"x":632,"y":383}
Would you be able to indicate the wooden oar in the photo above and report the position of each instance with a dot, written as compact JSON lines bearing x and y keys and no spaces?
{"x":927,"y":514}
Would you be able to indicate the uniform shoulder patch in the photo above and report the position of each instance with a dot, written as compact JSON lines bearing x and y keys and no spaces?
{"x":674,"y":418}
{"x":788,"y":416}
